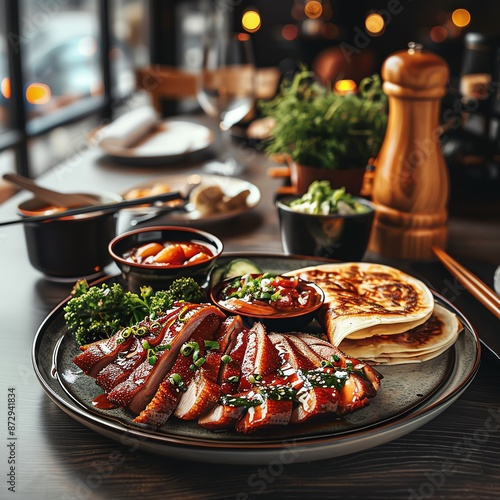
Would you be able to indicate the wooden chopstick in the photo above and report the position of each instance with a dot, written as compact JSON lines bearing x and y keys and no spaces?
{"x":480,"y":290}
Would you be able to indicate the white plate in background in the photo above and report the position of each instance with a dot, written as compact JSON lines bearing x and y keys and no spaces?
{"x":171,"y":139}
{"x":231,"y":186}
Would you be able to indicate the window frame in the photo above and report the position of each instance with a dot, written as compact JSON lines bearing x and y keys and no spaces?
{"x":19,"y":131}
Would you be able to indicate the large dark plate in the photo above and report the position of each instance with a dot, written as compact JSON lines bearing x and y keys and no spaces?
{"x":410,"y":396}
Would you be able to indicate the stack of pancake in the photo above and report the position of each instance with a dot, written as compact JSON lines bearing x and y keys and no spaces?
{"x":380,"y":314}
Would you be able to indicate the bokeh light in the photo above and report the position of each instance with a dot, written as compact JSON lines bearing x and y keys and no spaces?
{"x":313,"y":9}
{"x":5,"y":87}
{"x":243,"y":37}
{"x":290,"y":32}
{"x":461,"y":17}
{"x":374,"y":24}
{"x":330,"y":31}
{"x":251,"y":21}
{"x":438,"y":34}
{"x":38,"y":93}
{"x":344,"y":87}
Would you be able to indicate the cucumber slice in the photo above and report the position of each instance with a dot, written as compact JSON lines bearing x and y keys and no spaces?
{"x":217,"y":275}
{"x":238,"y":267}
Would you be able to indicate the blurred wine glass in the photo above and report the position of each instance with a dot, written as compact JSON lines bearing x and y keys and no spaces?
{"x":226,"y":91}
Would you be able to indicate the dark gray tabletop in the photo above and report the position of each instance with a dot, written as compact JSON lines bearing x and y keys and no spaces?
{"x":456,"y":455}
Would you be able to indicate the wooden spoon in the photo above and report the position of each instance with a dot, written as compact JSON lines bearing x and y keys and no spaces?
{"x":64,"y":200}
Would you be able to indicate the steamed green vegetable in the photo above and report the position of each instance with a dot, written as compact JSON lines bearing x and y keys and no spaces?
{"x":322,"y":199}
{"x":97,"y":312}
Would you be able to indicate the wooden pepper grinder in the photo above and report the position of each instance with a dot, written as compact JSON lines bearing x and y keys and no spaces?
{"x":411,"y":185}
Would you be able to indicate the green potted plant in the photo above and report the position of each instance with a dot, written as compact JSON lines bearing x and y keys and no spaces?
{"x":324,"y":135}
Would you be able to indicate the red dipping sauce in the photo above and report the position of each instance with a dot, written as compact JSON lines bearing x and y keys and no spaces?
{"x":182,"y":253}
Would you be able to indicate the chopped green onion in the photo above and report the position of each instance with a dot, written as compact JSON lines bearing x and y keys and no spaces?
{"x":226,"y":359}
{"x":140,"y":331}
{"x":126,"y":332}
{"x":212,"y":344}
{"x":188,"y":348}
{"x":233,"y":378}
{"x":155,"y":326}
{"x":253,"y":379}
{"x":199,"y":362}
{"x":175,"y":379}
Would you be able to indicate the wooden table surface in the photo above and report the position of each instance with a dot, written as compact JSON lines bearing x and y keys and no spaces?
{"x":456,"y":455}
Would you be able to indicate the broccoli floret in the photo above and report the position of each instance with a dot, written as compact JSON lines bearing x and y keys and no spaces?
{"x":160,"y":303}
{"x":186,"y":289}
{"x":97,"y":312}
{"x":137,"y":307}
{"x":181,"y":289}
{"x":81,"y":287}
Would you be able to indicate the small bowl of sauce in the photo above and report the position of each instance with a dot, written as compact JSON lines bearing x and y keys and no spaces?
{"x":281,"y":303}
{"x":69,"y":248}
{"x":156,"y":256}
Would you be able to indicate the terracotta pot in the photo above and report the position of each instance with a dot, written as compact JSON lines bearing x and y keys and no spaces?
{"x":302,"y":176}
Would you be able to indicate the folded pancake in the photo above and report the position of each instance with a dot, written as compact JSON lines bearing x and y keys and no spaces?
{"x":418,"y":344}
{"x":395,"y":360}
{"x":366,"y":299}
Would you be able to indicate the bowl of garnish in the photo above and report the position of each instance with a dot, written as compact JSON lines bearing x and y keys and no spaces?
{"x":155,"y":256}
{"x":326,"y":223}
{"x":281,"y":303}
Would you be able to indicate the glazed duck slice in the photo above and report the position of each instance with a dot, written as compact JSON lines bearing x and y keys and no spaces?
{"x":135,"y":353}
{"x":293,"y":361}
{"x":261,"y":360}
{"x":304,"y":350}
{"x":223,"y":416}
{"x":270,"y":413}
{"x":201,"y":396}
{"x":300,"y":359}
{"x":230,"y":374}
{"x":204,"y":391}
{"x":314,"y":401}
{"x":327,"y":351}
{"x":179,"y":377}
{"x":358,"y":381}
{"x":118,"y":370}
{"x":100,"y":354}
{"x":296,"y":358}
{"x":140,"y":386}
{"x":253,"y":355}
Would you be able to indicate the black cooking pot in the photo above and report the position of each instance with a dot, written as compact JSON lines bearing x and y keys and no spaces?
{"x":69,"y":247}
